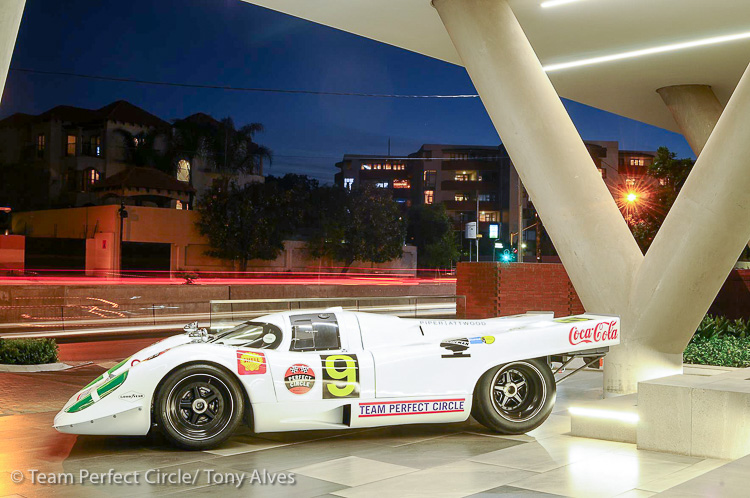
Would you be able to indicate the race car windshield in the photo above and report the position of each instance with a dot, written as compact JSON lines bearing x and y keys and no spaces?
{"x":257,"y":335}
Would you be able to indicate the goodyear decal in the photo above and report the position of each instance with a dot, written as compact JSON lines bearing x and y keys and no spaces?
{"x":251,"y":363}
{"x":425,"y":407}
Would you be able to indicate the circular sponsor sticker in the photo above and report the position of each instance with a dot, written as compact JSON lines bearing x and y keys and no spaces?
{"x":252,"y":361}
{"x":269,"y":338}
{"x":299,"y":379}
{"x":488,"y":339}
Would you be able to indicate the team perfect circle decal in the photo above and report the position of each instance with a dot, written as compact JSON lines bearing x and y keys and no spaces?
{"x":299,"y":379}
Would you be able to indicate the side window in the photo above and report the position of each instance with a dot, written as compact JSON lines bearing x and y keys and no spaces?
{"x":315,"y":332}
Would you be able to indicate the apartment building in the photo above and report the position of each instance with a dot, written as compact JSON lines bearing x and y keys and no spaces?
{"x":479,"y":183}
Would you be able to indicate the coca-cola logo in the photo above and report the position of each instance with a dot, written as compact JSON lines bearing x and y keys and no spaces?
{"x":602,"y":331}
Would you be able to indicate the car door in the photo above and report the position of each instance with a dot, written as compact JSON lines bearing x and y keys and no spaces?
{"x":319,"y":377}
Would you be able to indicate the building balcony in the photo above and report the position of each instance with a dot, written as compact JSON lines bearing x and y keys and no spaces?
{"x":470,"y":165}
{"x":469,"y":186}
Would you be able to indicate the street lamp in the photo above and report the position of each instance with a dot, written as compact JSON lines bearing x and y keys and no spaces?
{"x":631,"y":197}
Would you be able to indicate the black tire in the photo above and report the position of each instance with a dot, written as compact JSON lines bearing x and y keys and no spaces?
{"x":515,"y":398}
{"x":198,"y":406}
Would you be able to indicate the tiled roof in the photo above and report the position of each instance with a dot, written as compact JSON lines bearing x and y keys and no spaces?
{"x":116,"y":111}
{"x":140,"y":177}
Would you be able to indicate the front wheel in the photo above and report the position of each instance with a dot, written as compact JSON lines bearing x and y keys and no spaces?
{"x":198,"y":406}
{"x":516,"y":397}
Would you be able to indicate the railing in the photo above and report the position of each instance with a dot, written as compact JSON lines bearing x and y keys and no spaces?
{"x":98,"y":316}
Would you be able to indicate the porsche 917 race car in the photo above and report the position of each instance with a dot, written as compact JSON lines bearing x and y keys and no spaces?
{"x":336,"y":369}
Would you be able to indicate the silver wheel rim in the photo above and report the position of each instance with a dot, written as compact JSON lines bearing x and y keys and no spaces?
{"x":518,"y":392}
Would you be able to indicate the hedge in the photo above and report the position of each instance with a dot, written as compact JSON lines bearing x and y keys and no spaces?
{"x":28,"y":351}
{"x":720,"y":342}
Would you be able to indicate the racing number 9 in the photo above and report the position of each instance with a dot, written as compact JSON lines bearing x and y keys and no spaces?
{"x":340,"y":376}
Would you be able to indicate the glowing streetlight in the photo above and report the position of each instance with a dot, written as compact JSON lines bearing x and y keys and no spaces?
{"x":631,"y":197}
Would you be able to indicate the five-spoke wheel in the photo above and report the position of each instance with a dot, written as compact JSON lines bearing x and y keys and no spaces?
{"x":516,"y":397}
{"x":198,"y":406}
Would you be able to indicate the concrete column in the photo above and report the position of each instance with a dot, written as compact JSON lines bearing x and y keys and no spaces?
{"x":702,"y":236}
{"x":573,"y":202}
{"x":662,"y":297}
{"x":11,"y":12}
{"x":696,"y":110}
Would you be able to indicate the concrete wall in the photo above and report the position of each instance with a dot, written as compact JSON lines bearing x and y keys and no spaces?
{"x":101,"y":225}
{"x":21,"y":303}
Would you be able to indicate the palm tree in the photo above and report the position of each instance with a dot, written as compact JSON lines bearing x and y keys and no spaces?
{"x":141,"y":149}
{"x":234,"y":151}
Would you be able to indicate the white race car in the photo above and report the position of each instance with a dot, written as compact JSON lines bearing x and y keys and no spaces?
{"x":335,"y":369}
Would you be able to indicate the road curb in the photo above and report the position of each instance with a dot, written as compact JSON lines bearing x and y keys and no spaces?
{"x":47,"y":367}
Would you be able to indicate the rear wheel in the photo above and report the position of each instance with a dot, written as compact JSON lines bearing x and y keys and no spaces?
{"x":198,"y":406}
{"x":516,"y":397}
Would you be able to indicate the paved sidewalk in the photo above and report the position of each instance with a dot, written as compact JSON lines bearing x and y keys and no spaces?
{"x":36,"y":392}
{"x":449,"y":460}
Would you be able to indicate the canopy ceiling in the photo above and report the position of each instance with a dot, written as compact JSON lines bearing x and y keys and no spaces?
{"x":575,"y":31}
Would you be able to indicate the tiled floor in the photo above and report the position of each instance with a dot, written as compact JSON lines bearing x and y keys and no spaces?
{"x":424,"y":460}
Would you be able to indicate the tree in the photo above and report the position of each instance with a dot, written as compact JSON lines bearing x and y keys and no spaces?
{"x":361,"y":224}
{"x":298,"y":190}
{"x":431,"y":230}
{"x":244,"y":223}
{"x":670,"y":174}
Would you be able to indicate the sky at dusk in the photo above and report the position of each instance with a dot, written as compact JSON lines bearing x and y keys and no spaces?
{"x":232,"y":43}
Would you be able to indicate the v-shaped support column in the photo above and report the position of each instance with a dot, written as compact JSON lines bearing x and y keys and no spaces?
{"x":660,"y":298}
{"x":10,"y":20}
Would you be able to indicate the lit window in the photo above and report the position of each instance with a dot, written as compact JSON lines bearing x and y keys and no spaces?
{"x":367,"y":166}
{"x":401,"y":184}
{"x":388,"y":166}
{"x":382,"y":185}
{"x":40,"y":143}
{"x":460,"y":196}
{"x":399,"y":167}
{"x":487,"y":197}
{"x":429,"y":196}
{"x":492,"y":216}
{"x":71,"y":145}
{"x":462,"y":177}
{"x":637,"y":162}
{"x":96,"y":145}
{"x":183,"y":170}
{"x":348,"y":183}
{"x":630,"y":182}
{"x":178,"y":204}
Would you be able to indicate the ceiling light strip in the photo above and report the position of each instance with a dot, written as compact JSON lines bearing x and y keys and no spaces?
{"x":648,"y":51}
{"x":555,"y":3}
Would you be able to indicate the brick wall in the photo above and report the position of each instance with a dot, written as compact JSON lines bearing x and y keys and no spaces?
{"x":498,"y":289}
{"x":733,"y":300}
{"x":12,"y":253}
